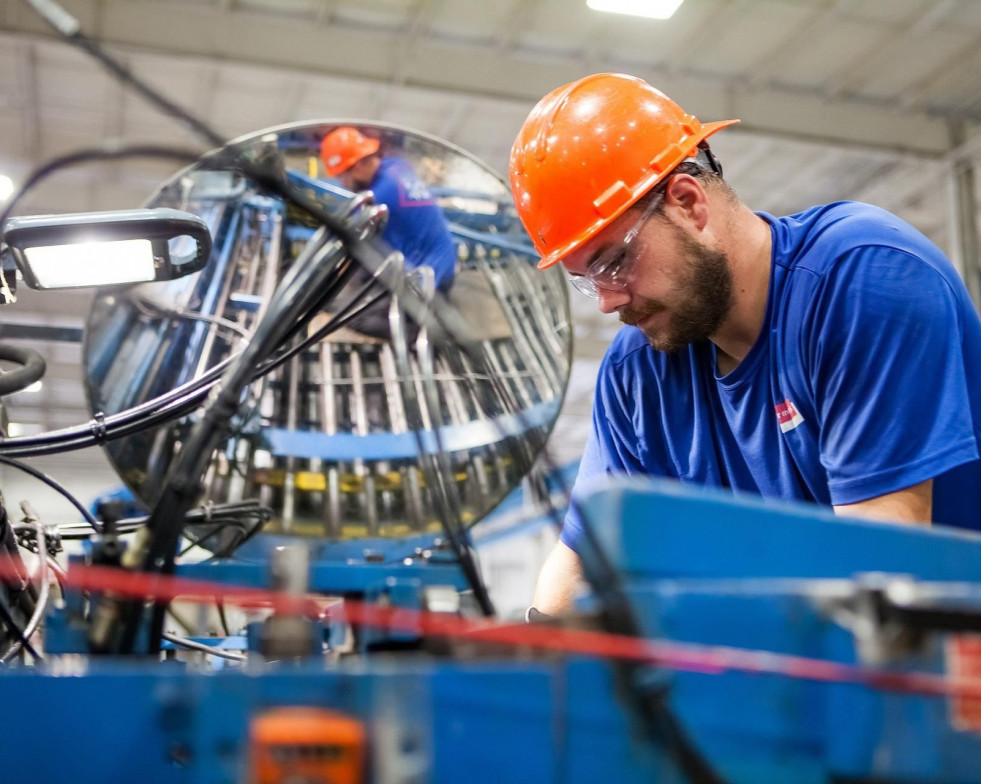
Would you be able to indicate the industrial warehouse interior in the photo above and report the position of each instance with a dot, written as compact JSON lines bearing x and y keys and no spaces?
{"x":323,"y":567}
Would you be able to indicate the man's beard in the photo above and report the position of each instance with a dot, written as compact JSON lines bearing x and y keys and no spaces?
{"x":703,"y":299}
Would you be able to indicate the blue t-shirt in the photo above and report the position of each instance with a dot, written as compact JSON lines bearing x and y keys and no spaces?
{"x":865,"y":379}
{"x":416,"y":224}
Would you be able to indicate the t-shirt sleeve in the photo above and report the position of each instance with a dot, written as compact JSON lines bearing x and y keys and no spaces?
{"x":888,"y":375}
{"x":611,"y":447}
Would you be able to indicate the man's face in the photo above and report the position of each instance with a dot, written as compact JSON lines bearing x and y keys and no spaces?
{"x":359,"y":176}
{"x":673,"y":287}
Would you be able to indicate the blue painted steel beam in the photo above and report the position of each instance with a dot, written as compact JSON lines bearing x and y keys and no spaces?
{"x":403,"y":446}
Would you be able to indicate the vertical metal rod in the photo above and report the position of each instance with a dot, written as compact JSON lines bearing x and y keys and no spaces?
{"x":539,"y":336}
{"x":530,"y":350}
{"x":328,"y":421}
{"x":470,"y":391}
{"x":236,"y":480}
{"x":289,"y":480}
{"x":409,"y":475}
{"x":416,"y":381}
{"x":966,"y":246}
{"x":360,"y":416}
{"x":459,"y":415}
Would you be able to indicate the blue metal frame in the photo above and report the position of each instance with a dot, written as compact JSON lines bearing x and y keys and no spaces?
{"x":698,"y":567}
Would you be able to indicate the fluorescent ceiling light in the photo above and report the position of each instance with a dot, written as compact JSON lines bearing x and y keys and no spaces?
{"x":6,"y":187}
{"x":91,"y":263}
{"x":652,"y":9}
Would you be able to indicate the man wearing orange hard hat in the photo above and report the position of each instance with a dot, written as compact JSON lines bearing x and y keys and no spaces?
{"x":828,"y":356}
{"x":416,"y":225}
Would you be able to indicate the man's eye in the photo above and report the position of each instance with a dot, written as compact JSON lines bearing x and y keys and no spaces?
{"x":611,"y":266}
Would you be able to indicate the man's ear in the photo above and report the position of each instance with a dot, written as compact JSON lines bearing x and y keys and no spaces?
{"x":688,"y":200}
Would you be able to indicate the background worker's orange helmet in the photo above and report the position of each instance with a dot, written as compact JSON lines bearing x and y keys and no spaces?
{"x":343,"y":147}
{"x":589,"y":150}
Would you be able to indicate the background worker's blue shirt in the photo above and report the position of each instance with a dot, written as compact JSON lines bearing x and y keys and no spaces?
{"x":865,"y":379}
{"x":416,"y":225}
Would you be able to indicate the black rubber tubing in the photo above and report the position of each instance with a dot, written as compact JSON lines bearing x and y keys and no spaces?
{"x":31,"y":368}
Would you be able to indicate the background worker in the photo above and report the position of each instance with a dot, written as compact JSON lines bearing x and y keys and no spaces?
{"x":416,"y":224}
{"x":832,"y":356}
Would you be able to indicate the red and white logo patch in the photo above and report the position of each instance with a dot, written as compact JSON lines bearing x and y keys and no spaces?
{"x":788,"y":417}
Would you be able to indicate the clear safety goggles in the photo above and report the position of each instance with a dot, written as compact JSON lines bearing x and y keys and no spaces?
{"x":612,"y":269}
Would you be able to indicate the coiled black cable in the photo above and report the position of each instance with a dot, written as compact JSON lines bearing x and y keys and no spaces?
{"x":31,"y":368}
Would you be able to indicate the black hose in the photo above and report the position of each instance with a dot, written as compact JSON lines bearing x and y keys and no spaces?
{"x":297,"y":293}
{"x":41,"y":476}
{"x":31,"y":368}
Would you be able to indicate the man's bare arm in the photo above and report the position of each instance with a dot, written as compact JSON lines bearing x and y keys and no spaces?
{"x":558,"y":581}
{"x":910,"y":505}
{"x":561,"y":573}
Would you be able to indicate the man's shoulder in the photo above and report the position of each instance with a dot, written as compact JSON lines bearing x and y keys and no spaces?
{"x":627,"y":344}
{"x":397,"y":178}
{"x":630,"y":352}
{"x":392,"y":163}
{"x":817,"y":238}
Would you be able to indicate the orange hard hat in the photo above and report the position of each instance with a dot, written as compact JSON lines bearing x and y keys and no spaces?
{"x":589,"y":150}
{"x":345,"y":146}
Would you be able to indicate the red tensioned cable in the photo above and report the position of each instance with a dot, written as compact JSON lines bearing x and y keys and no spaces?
{"x":672,"y":655}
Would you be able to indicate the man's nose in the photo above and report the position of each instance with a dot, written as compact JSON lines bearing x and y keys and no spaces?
{"x":611,"y":299}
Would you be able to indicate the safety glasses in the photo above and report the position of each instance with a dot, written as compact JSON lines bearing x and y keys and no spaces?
{"x":612,"y":270}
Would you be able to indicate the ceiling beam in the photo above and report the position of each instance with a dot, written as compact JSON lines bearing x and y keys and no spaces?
{"x":324,"y":14}
{"x":808,"y":171}
{"x":753,"y":153}
{"x":705,"y":35}
{"x":453,"y":121}
{"x":382,"y":96}
{"x":771,"y":64}
{"x":294,"y":91}
{"x":963,"y":59}
{"x":468,"y":67}
{"x":856,"y":72}
{"x":514,"y":22}
{"x":420,"y":17}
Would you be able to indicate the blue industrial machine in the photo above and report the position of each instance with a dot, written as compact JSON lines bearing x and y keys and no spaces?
{"x":789,"y":646}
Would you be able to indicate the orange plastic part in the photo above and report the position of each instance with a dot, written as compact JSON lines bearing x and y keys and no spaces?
{"x":589,"y":150}
{"x":343,"y":147}
{"x":306,"y":744}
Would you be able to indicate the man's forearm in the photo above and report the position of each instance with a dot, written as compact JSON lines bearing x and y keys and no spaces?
{"x":558,"y":581}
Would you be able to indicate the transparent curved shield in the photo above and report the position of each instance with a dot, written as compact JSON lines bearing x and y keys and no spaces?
{"x":361,"y":433}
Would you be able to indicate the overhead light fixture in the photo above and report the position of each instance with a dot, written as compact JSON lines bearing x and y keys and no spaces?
{"x":6,"y":187}
{"x":107,"y":248}
{"x":79,"y":264}
{"x":652,"y":9}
